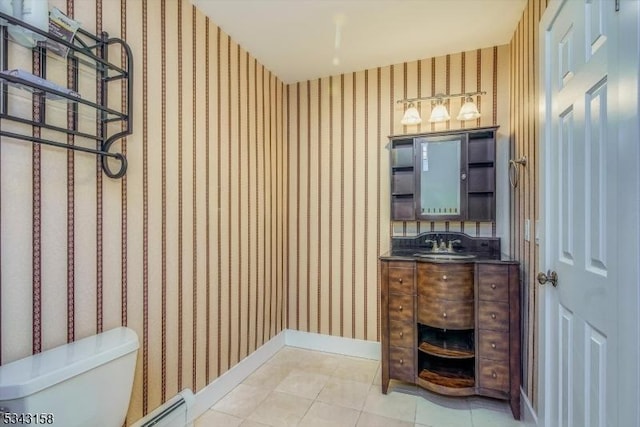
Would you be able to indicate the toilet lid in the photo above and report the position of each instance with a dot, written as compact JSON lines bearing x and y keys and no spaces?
{"x":34,"y":373}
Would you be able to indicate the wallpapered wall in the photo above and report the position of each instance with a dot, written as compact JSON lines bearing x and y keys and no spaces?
{"x":338,"y":184}
{"x":524,"y":116}
{"x":249,"y":206}
{"x":187,"y":249}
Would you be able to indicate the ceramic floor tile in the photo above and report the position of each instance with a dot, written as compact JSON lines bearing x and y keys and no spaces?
{"x":310,"y":388}
{"x":377,"y":380}
{"x":249,"y":423}
{"x":325,"y":415}
{"x":268,"y":375}
{"x":443,"y":401}
{"x":281,"y":409}
{"x":242,"y":400}
{"x":291,"y":356}
{"x":350,"y":394}
{"x":483,"y":417}
{"x":324,"y":364}
{"x":302,"y":384}
{"x":362,"y":370}
{"x":371,"y":420}
{"x":488,"y":403}
{"x":213,"y":418}
{"x":399,"y":406}
{"x":402,"y":387}
{"x":438,"y":415}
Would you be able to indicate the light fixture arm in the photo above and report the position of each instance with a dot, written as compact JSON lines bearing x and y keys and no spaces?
{"x":440,"y":97}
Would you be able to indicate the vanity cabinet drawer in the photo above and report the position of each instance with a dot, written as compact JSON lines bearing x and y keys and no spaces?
{"x":493,"y":375}
{"x":401,"y":308}
{"x":401,"y":334}
{"x":493,"y":345}
{"x":493,"y":315}
{"x":446,"y":281}
{"x":401,"y":364}
{"x":445,"y":314}
{"x":401,"y":279}
{"x":493,"y":282}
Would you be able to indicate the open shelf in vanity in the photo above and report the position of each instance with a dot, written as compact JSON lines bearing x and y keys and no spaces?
{"x":446,"y":344}
{"x":446,"y":358}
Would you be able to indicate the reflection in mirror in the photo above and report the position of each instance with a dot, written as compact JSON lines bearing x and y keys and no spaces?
{"x":440,"y":176}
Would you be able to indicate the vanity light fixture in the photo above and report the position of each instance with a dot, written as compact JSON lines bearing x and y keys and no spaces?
{"x":439,"y":113}
{"x":469,"y":110}
{"x":411,"y":116}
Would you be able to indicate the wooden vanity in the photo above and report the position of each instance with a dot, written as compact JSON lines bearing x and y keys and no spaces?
{"x":452,"y":326}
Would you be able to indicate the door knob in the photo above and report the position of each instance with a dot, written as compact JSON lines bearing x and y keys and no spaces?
{"x":551,"y":276}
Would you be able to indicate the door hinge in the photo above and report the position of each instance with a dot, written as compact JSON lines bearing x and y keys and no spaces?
{"x":617,"y":5}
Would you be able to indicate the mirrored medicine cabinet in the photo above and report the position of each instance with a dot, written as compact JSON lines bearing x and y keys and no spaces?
{"x":444,"y":176}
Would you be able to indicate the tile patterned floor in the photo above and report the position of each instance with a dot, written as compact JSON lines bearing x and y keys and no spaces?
{"x":309,"y":388}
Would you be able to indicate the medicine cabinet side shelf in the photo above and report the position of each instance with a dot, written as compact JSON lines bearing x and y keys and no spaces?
{"x":85,"y":50}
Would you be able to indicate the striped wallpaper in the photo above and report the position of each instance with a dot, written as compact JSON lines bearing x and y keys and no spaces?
{"x":249,"y":206}
{"x":338,"y":186}
{"x":188,"y":249}
{"x":524,"y":118}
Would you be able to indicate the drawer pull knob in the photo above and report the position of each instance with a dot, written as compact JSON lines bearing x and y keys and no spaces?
{"x":444,"y":315}
{"x":493,"y":315}
{"x":401,"y":334}
{"x":493,"y":374}
{"x":400,"y":280}
{"x":401,"y":361}
{"x":444,"y":277}
{"x":400,"y":308}
{"x":493,"y":286}
{"x":493,"y":345}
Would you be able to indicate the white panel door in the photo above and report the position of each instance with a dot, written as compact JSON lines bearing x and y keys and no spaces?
{"x":581,"y":197}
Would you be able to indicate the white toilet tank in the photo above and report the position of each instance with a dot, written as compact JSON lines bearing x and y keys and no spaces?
{"x":84,"y":383}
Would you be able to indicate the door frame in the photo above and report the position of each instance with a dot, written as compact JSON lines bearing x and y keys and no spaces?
{"x":627,"y":78}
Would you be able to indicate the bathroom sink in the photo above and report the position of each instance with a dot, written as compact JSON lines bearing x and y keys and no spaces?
{"x":444,"y":256}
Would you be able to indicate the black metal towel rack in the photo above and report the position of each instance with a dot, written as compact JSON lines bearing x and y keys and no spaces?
{"x":86,"y":49}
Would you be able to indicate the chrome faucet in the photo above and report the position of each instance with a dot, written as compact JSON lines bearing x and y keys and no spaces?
{"x":443,"y":246}
{"x":434,"y":244}
{"x":451,"y":242}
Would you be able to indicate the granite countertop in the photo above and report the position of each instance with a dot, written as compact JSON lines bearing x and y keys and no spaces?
{"x":409,"y":254}
{"x":408,"y":248}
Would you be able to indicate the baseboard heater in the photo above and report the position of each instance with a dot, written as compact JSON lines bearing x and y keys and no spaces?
{"x":175,"y":412}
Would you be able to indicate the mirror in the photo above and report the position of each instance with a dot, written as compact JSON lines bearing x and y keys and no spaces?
{"x":440,"y":161}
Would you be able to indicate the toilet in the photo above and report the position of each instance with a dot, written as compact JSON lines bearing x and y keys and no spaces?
{"x":84,"y":383}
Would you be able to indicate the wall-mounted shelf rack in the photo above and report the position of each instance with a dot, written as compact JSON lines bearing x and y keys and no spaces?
{"x":87,"y":72}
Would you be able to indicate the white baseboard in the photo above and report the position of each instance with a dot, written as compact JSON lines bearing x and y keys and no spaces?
{"x":218,"y":388}
{"x":529,"y":417}
{"x":212,"y":393}
{"x":331,"y":344}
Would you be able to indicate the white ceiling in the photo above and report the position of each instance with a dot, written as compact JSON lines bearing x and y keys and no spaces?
{"x":297,"y":39}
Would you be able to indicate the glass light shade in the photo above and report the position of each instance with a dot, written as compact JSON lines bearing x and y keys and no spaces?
{"x":439,"y":114}
{"x":469,"y":111}
{"x":411,"y":116}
